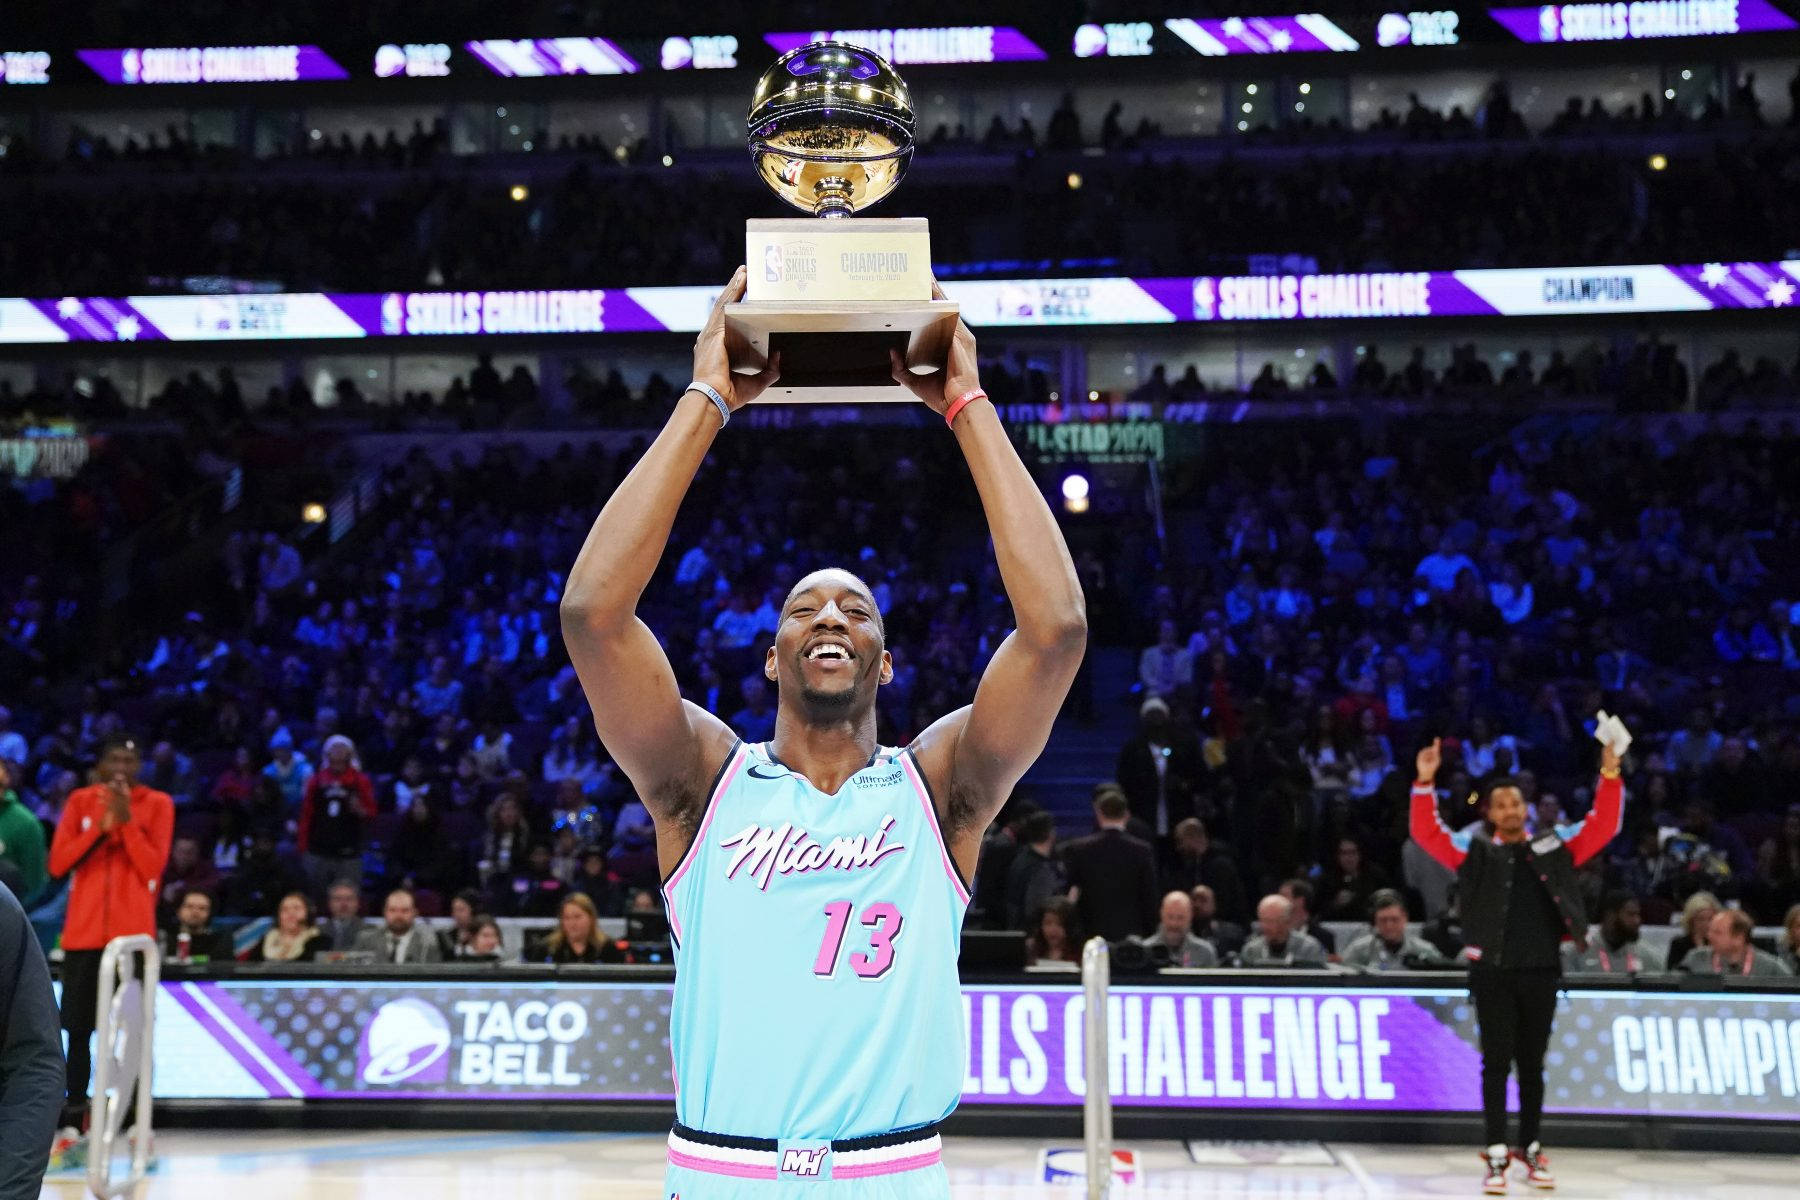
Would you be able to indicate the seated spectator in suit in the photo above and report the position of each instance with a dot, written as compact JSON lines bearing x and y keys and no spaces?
{"x":294,"y":937}
{"x":578,"y":937}
{"x":1729,"y":951}
{"x":1388,"y":946}
{"x":1299,"y":893}
{"x":1055,"y":934}
{"x":1112,"y":875}
{"x":1196,"y":860}
{"x":1175,"y":934}
{"x":344,"y":923}
{"x":400,"y":938}
{"x":1615,"y":949}
{"x":1278,"y":941}
{"x":1033,"y":876}
{"x":1227,"y":937}
{"x":193,"y":916}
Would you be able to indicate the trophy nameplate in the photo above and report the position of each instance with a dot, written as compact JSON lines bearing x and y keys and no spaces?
{"x":833,"y":294}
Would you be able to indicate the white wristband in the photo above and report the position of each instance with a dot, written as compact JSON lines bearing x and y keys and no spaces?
{"x":712,"y":393}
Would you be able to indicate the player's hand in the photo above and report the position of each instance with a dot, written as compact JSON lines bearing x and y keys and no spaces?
{"x":960,"y":375}
{"x":118,"y":804}
{"x":1609,"y":758}
{"x":712,"y":365}
{"x":1429,"y":760}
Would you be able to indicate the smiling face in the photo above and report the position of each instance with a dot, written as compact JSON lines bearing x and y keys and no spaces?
{"x":829,"y":652}
{"x":1506,"y":809}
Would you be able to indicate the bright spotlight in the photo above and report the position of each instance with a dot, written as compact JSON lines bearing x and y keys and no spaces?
{"x":1075,"y":487}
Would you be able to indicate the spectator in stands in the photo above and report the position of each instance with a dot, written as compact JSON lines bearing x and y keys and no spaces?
{"x":1349,"y":883}
{"x":1033,"y":876}
{"x":114,"y":837}
{"x":1789,"y":948}
{"x":594,"y":881}
{"x":1160,"y":769}
{"x":400,"y":939}
{"x":190,"y":937}
{"x":420,"y":855}
{"x":337,"y":804}
{"x":578,"y":937}
{"x":261,"y":877}
{"x":21,"y":838}
{"x":485,"y":943}
{"x":1174,"y":935}
{"x":1166,"y":670}
{"x":755,"y":722}
{"x":1278,"y":942}
{"x":1388,"y":946}
{"x":294,"y":937}
{"x":1696,"y":925}
{"x":465,"y":913}
{"x":288,"y":771}
{"x":1112,"y":875}
{"x":1056,"y":933}
{"x":188,"y":871}
{"x":508,"y":836}
{"x":344,"y":925}
{"x":438,"y":693}
{"x":1197,"y":861}
{"x":1227,"y":937}
{"x":1299,"y":895}
{"x":31,"y":1059}
{"x":1729,"y":952}
{"x":1615,"y":948}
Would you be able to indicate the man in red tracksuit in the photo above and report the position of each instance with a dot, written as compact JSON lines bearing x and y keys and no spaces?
{"x":114,"y":835}
{"x":1520,"y":901}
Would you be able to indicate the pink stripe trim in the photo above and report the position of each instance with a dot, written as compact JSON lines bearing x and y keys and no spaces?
{"x":888,"y":1168}
{"x":714,"y":1167}
{"x":712,"y":808}
{"x":931,"y":822}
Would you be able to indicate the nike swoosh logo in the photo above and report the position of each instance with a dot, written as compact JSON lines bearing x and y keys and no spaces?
{"x":757,"y":774}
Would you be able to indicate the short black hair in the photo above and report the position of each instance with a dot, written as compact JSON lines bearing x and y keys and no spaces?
{"x":1385,"y":898}
{"x":1112,"y":805}
{"x":118,"y":741}
{"x":880,"y":621}
{"x":1614,"y":900}
{"x":1302,"y":890}
{"x":1036,"y":827}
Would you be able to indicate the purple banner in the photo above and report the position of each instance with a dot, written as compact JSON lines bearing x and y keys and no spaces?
{"x":1215,"y":37}
{"x":534,"y":57}
{"x":924,"y":47}
{"x":1217,"y":1044}
{"x":1642,"y":19}
{"x":213,"y":64}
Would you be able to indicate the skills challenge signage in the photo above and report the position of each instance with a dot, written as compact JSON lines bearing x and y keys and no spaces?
{"x":1506,"y":292}
{"x":1728,"y":1055}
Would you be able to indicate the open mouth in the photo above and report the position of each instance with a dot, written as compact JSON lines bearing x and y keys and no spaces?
{"x":828,"y":651}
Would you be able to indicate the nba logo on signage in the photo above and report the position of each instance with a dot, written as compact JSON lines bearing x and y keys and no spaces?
{"x":1070,"y":1166}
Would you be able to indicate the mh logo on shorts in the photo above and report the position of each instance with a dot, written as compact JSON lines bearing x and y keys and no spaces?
{"x":804,"y":1160}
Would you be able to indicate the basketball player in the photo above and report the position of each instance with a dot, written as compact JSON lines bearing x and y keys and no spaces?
{"x":816,"y":883}
{"x":1520,"y":901}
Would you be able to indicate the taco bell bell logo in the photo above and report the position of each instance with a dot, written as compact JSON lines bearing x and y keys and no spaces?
{"x":407,"y":1042}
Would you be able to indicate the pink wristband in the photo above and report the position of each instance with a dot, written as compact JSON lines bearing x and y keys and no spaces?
{"x":960,"y":403}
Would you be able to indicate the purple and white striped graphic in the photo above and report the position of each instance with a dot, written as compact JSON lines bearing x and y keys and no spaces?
{"x":212,"y":64}
{"x":1641,"y":19}
{"x":925,"y":47}
{"x":1218,"y":36}
{"x":1386,"y":295}
{"x":531,"y":58}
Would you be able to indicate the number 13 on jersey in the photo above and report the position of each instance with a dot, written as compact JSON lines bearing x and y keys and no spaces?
{"x":883,"y":920}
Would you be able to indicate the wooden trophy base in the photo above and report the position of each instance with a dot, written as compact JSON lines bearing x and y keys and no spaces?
{"x":833,"y":297}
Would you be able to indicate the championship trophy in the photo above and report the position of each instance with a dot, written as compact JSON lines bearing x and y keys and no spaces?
{"x":831,"y":133}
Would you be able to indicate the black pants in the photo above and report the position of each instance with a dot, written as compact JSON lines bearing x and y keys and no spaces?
{"x":1514,"y":1010}
{"x":80,"y":992}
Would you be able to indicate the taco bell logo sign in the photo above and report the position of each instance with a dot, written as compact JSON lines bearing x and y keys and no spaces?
{"x":407,"y":1042}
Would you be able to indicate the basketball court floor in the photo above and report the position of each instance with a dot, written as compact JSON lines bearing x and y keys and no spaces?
{"x":568,"y":1166}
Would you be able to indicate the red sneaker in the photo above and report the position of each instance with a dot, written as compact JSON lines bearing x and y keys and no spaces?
{"x":1537,"y":1166}
{"x":1494,"y":1182}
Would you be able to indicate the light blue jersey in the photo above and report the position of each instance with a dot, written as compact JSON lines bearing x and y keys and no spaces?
{"x":816,"y":939}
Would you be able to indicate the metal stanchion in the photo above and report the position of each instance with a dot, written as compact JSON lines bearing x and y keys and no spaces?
{"x":1096,"y":1114}
{"x":125,"y":1020}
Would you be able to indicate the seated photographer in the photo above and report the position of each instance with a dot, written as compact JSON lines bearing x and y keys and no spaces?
{"x":1388,"y":946}
{"x":1174,"y":937}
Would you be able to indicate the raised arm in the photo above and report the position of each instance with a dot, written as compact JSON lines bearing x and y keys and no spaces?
{"x":974,"y":756}
{"x":1427,"y":826}
{"x":1590,"y":835}
{"x":667,"y":747}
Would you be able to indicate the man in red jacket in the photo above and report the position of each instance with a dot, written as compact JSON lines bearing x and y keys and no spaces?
{"x":114,"y":835}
